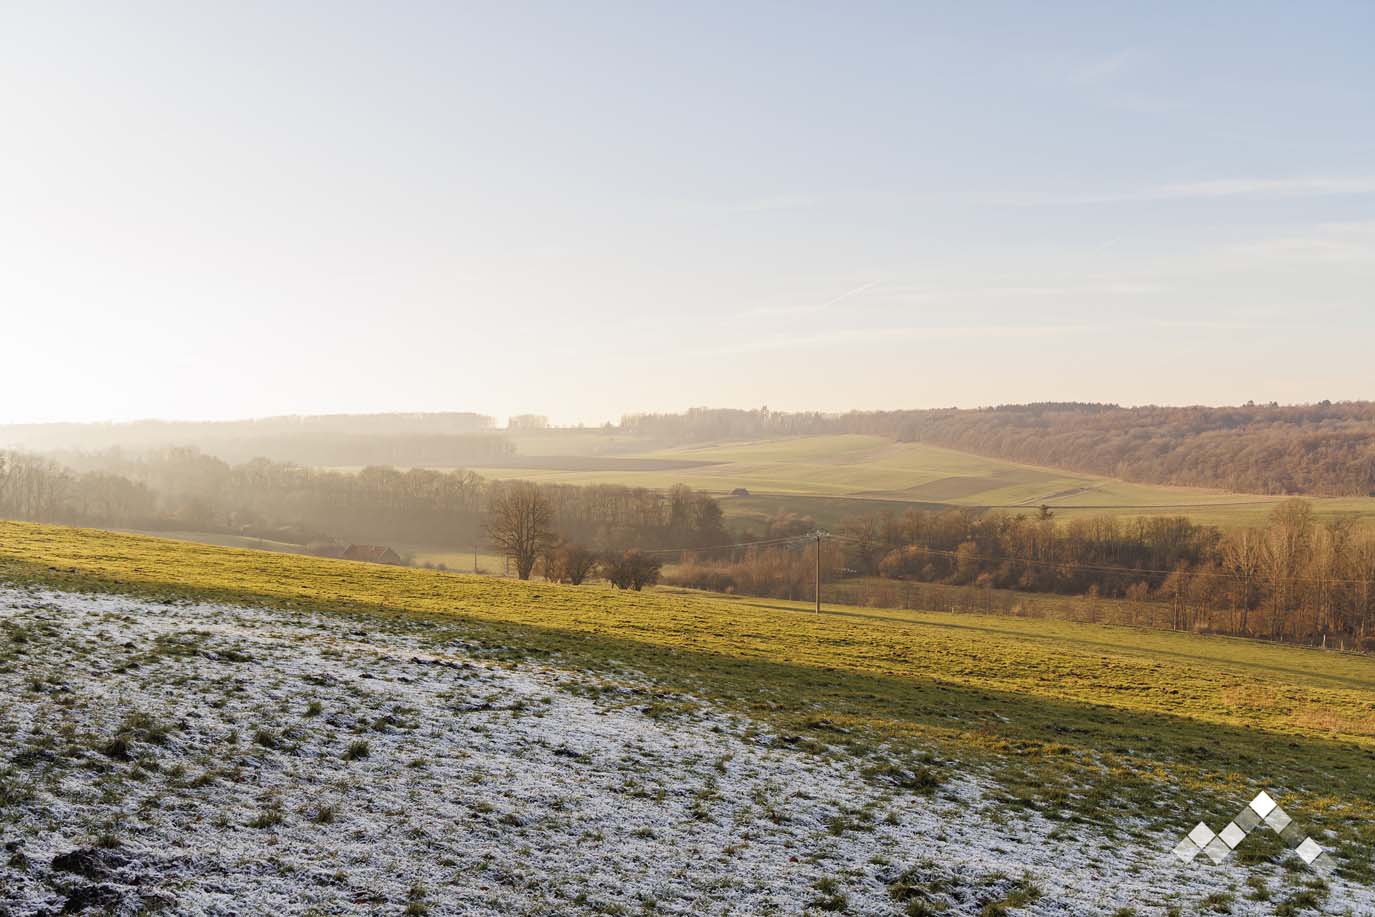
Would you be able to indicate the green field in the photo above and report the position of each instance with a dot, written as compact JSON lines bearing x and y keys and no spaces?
{"x":222,"y":540}
{"x":1077,"y":722}
{"x":846,"y":475}
{"x":458,"y":561}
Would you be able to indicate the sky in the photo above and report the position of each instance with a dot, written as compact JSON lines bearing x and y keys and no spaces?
{"x":212,"y":210}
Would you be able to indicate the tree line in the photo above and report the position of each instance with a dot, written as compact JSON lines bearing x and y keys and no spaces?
{"x":1292,"y":578}
{"x":183,"y":488}
{"x":1319,"y":449}
{"x":521,"y":522}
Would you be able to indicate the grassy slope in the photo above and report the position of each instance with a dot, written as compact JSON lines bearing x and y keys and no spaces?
{"x":1075,"y":720}
{"x":225,"y":541}
{"x":846,"y":474}
{"x":458,"y":560}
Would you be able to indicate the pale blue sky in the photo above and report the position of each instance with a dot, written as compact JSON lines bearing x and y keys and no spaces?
{"x":222,"y":210}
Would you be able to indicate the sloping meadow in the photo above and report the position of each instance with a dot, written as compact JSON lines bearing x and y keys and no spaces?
{"x":183,"y":722}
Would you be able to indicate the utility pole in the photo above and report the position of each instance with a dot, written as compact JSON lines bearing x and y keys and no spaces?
{"x":819,"y":535}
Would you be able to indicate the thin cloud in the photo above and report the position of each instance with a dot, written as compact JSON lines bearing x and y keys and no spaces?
{"x":1208,"y":325}
{"x":1334,"y":243}
{"x":910,"y":293}
{"x":928,"y":333}
{"x":1012,"y":291}
{"x":774,"y":203}
{"x":1108,"y":67}
{"x":1268,"y":187}
{"x":1332,"y":251}
{"x":1107,"y":289}
{"x":1213,"y":189}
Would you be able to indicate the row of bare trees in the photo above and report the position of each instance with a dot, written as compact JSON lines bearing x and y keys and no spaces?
{"x":1295,"y":577}
{"x":38,"y":488}
{"x":183,"y":488}
{"x":521,"y":523}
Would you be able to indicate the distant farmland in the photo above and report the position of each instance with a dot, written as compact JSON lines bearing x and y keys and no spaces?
{"x":830,"y":477}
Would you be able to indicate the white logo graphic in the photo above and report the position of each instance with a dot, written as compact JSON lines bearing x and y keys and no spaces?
{"x":1262,"y":811}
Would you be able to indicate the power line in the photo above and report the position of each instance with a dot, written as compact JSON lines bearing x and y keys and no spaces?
{"x":738,"y":544}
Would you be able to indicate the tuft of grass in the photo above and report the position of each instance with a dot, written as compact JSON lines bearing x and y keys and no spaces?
{"x":1219,"y":902}
{"x":920,"y":779}
{"x":146,"y":728}
{"x":117,"y":748}
{"x":1260,"y":890}
{"x":1306,"y":900}
{"x":917,"y":889}
{"x":416,"y":905}
{"x":358,"y":748}
{"x":14,"y":790}
{"x":831,"y":897}
{"x":268,"y":818}
{"x":1023,"y":892}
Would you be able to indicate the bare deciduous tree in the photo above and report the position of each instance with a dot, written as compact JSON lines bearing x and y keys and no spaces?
{"x":1243,"y":556}
{"x":1288,"y":548}
{"x":569,"y":563}
{"x":520,"y":523}
{"x":632,"y":570}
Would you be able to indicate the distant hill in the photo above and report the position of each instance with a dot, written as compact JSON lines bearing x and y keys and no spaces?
{"x":450,"y":438}
{"x":1323,"y":449}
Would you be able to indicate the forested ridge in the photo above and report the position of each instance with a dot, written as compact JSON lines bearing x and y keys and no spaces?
{"x":1325,"y":449}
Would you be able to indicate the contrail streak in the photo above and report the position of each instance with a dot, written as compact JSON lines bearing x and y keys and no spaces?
{"x":805,"y":310}
{"x":846,"y":295}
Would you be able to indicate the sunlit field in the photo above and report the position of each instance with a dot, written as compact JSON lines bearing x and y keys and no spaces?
{"x":1077,"y":723}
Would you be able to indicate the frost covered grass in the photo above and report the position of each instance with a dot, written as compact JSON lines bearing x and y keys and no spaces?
{"x":209,"y":758}
{"x":284,"y":702}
